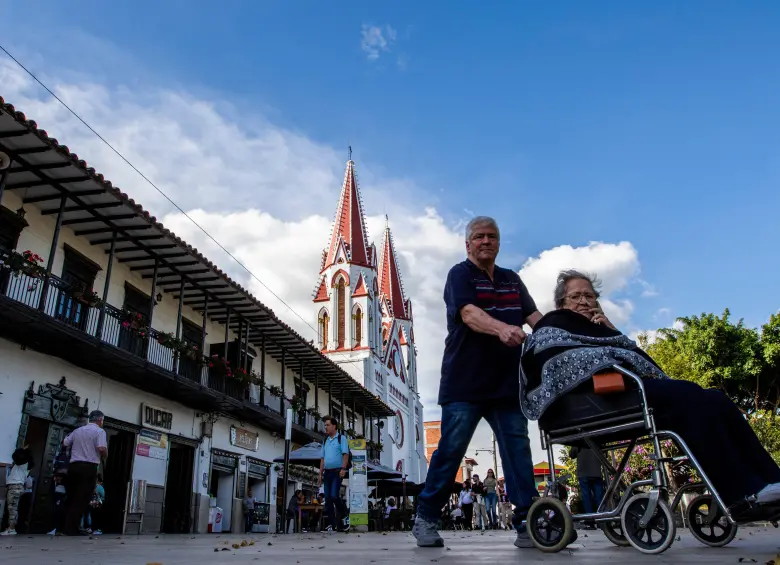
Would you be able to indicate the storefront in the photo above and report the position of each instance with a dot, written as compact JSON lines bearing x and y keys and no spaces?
{"x":259,"y":484}
{"x":49,"y":414}
{"x":222,"y":483}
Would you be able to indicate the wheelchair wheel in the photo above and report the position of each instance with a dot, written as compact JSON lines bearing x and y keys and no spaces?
{"x":717,"y":534}
{"x":654,"y":537}
{"x":550,"y":525}
{"x":613,"y":531}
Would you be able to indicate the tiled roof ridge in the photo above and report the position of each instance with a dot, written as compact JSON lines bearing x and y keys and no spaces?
{"x":63,"y":150}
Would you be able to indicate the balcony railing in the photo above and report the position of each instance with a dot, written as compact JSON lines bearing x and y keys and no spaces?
{"x":68,"y":307}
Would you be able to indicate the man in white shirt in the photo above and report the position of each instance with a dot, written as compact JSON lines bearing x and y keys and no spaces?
{"x":88,"y":447}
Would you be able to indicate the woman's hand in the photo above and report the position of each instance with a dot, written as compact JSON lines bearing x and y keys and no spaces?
{"x":598,"y":317}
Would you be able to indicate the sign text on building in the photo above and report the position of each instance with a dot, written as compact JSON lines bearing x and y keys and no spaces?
{"x":156,"y":418}
{"x":244,"y":438}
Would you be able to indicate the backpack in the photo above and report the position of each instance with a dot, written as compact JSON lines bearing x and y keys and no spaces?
{"x":349,"y":460}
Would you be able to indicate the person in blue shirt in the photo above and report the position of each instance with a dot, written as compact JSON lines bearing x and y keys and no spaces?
{"x":334,"y":465}
{"x":480,"y":378}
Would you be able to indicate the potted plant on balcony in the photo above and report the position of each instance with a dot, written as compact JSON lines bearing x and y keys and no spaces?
{"x":219,"y":366}
{"x":86,"y":296}
{"x":133,"y":321}
{"x":27,"y":263}
{"x":314,"y":414}
{"x":298,"y":404}
{"x":275,"y":391}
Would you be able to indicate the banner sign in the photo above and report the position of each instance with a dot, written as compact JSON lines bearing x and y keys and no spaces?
{"x":152,"y":444}
{"x":358,"y":484}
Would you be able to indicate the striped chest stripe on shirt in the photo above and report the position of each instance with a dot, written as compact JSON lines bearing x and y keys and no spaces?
{"x":498,"y":297}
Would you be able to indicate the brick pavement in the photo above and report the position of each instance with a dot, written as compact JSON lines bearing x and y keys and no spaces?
{"x":761,"y":544}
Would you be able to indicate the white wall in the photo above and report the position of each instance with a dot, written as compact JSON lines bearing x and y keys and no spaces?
{"x":114,"y":399}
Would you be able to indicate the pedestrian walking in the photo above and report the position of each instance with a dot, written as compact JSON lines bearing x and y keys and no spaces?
{"x":589,"y":476}
{"x":487,"y":306}
{"x":88,"y":448}
{"x":334,"y":465}
{"x":480,"y":512}
{"x":491,"y":497}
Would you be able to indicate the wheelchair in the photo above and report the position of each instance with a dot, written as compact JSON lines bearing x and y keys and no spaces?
{"x":608,"y":415}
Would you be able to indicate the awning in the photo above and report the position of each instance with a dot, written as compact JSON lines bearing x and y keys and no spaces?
{"x":307,"y":455}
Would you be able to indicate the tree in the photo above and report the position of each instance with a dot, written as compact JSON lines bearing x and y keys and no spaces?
{"x":743,"y":362}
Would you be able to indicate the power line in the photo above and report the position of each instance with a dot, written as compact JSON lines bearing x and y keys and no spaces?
{"x":153,"y":185}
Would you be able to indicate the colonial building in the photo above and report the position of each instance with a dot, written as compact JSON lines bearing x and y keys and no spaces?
{"x":366,"y":326}
{"x":102,"y":307}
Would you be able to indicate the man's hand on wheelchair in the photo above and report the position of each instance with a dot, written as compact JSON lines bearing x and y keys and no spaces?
{"x":512,"y":335}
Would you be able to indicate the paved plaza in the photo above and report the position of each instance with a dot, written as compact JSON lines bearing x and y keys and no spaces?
{"x":753,"y":545}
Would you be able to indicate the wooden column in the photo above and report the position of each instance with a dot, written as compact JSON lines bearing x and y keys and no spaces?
{"x":101,"y":319}
{"x":52,"y":252}
{"x":176,"y":356}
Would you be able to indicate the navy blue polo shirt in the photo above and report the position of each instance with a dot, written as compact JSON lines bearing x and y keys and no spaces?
{"x":479,"y":367}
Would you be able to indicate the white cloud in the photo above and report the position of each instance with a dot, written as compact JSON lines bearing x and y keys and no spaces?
{"x":277,"y":190}
{"x":376,"y":40}
{"x":616,"y":264}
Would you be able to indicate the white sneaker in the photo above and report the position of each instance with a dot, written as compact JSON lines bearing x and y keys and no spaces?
{"x":8,"y":533}
{"x":769,"y":494}
{"x":53,"y":532}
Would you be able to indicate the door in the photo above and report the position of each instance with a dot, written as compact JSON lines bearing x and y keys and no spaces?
{"x":42,"y":518}
{"x":116,"y":478}
{"x":177,"y":518}
{"x":78,"y":274}
{"x":191,"y":335}
{"x":138,"y":303}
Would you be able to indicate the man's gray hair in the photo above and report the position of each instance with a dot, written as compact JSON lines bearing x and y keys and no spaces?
{"x":481,"y":221}
{"x":568,"y":275}
{"x":96,"y":416}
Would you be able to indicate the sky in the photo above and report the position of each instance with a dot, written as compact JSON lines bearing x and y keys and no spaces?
{"x":637,"y":140}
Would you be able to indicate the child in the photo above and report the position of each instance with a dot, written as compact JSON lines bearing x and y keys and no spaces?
{"x":15,"y":477}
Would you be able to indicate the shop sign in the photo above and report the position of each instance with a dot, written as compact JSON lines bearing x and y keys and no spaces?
{"x":244,"y":438}
{"x":153,"y":444}
{"x":358,"y":484}
{"x":156,"y":418}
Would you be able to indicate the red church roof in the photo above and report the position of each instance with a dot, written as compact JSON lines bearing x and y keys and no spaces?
{"x":360,"y":288}
{"x":322,"y":292}
{"x":390,"y":279}
{"x":349,"y":224}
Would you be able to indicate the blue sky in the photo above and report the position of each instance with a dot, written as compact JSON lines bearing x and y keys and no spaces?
{"x":571,"y":122}
{"x":651,"y":122}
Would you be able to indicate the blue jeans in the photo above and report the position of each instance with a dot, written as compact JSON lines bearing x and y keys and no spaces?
{"x":458,"y":422}
{"x":334,"y":505}
{"x":592,"y":492}
{"x":491,"y":499}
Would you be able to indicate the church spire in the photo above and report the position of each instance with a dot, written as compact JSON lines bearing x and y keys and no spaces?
{"x":349,"y":225}
{"x":390,"y":279}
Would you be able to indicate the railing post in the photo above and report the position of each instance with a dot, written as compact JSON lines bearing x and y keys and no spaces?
{"x":176,"y":355}
{"x":330,"y":398}
{"x":364,"y":422}
{"x":343,"y":409}
{"x":316,"y":392}
{"x":101,"y":319}
{"x":52,"y":252}
{"x":203,"y":335}
{"x":262,"y":370}
{"x":246,"y":347}
{"x":153,"y":300}
{"x":3,"y":177}
{"x":284,"y":371}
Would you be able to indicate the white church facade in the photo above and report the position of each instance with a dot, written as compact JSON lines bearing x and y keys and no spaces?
{"x":366,"y":325}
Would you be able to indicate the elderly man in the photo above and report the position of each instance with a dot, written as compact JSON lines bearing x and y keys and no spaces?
{"x":572,"y":343}
{"x":88,"y":447}
{"x":486,"y":309}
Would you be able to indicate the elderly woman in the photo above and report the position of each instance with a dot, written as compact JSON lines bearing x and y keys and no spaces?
{"x":577,"y":340}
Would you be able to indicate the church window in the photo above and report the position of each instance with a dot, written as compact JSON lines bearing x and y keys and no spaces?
{"x":341,"y":298}
{"x":324,"y":324}
{"x":357,"y":328}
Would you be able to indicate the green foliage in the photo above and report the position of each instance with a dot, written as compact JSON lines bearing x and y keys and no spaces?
{"x":744,"y":363}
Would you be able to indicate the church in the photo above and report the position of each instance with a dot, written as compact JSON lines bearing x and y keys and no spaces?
{"x":366,"y":325}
